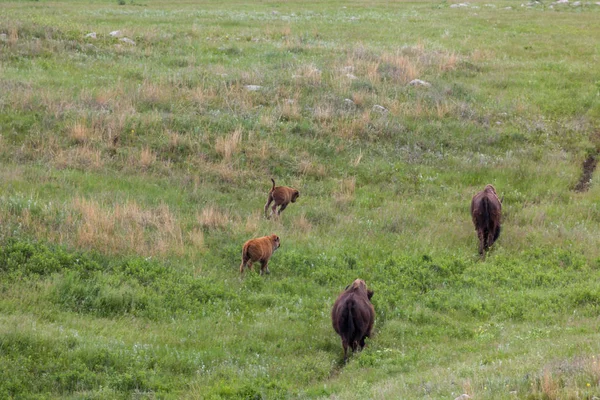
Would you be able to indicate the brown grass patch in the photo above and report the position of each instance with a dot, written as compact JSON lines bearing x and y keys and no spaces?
{"x":125,"y":228}
{"x":400,"y":68}
{"x":228,"y":145}
{"x":309,"y":167}
{"x":212,"y":218}
{"x":345,"y":194}
{"x":253,"y":223}
{"x":79,"y":133}
{"x":289,"y":110}
{"x":308,"y":74}
{"x":196,"y":239}
{"x":147,"y":158}
{"x":302,"y":224}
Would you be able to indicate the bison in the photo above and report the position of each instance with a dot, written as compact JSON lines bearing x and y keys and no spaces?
{"x":259,"y":249}
{"x":486,"y":210}
{"x":280,"y":196}
{"x":353,"y":316}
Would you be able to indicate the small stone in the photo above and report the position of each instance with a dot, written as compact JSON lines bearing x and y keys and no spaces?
{"x":577,"y":4}
{"x":561,"y":2}
{"x":508,"y":8}
{"x":380,"y":109}
{"x":3,"y":37}
{"x":115,"y":34}
{"x":419,"y":82}
{"x":351,"y":76}
{"x":349,"y":102}
{"x":459,"y":5}
{"x":128,"y":41}
{"x":253,"y":88}
{"x":91,"y":35}
{"x":274,"y":12}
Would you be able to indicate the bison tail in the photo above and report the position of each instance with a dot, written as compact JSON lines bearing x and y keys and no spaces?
{"x":273,"y":180}
{"x":347,"y":324}
{"x":485,"y":210}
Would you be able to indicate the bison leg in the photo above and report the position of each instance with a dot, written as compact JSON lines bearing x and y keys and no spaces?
{"x":264,"y":267}
{"x":345,"y":346}
{"x":490,"y":238}
{"x":362,"y":342}
{"x":274,"y":209}
{"x":283,"y":206}
{"x":269,"y":200}
{"x":243,"y":264}
{"x":481,"y":238}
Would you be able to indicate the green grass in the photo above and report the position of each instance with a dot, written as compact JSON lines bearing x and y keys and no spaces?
{"x":132,"y":175}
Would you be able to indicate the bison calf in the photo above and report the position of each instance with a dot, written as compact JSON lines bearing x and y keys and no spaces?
{"x":486,"y":211}
{"x":280,"y":196}
{"x":353,"y":315}
{"x":259,"y":249}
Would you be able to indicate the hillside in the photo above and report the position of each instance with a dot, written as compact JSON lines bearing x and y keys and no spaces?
{"x":137,"y":144}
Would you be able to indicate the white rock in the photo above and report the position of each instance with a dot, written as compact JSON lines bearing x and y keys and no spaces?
{"x":459,"y":5}
{"x":349,"y":102}
{"x":508,"y":8}
{"x":463,"y":396}
{"x":128,"y":41}
{"x":91,"y":35}
{"x":349,"y":68}
{"x":598,"y":3}
{"x":115,"y":33}
{"x":351,"y":76}
{"x":379,"y":108}
{"x":577,"y":3}
{"x":3,"y":37}
{"x":418,"y":82}
{"x":561,"y":2}
{"x":253,"y":88}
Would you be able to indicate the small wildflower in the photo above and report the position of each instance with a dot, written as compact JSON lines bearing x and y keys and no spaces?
{"x":588,"y":385}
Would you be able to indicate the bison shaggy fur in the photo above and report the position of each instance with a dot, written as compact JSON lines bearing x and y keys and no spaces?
{"x":486,"y":211}
{"x":353,"y":316}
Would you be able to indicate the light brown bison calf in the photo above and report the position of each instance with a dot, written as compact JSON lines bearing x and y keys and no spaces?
{"x":280,"y":196}
{"x":486,"y":211}
{"x":353,"y":316}
{"x":259,"y":249}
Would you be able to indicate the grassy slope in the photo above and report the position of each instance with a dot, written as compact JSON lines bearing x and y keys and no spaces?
{"x":148,"y":167}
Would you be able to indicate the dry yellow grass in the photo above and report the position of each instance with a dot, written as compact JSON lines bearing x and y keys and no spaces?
{"x":228,"y":145}
{"x":80,"y":133}
{"x":196,"y":239}
{"x":252,"y":223}
{"x":308,"y":74}
{"x":302,"y":224}
{"x":289,"y":110}
{"x":212,"y":218}
{"x":124,"y":228}
{"x":146,"y":158}
{"x":345,"y":194}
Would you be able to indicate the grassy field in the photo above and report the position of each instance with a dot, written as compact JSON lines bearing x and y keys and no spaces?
{"x":132,"y":173}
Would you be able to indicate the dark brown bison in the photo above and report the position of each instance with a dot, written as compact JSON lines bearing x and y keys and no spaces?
{"x":280,"y":196}
{"x":353,"y":315}
{"x":259,"y":249}
{"x":486,"y":211}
